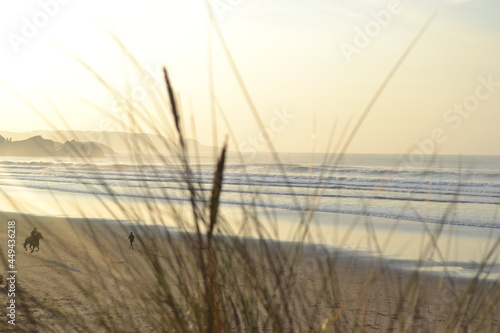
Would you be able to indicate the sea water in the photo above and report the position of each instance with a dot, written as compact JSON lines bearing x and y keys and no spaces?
{"x":383,"y":204}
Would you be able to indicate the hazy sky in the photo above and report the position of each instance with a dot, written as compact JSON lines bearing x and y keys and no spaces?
{"x":307,"y":64}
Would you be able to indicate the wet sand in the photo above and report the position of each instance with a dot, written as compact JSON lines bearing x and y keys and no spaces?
{"x":86,"y":279}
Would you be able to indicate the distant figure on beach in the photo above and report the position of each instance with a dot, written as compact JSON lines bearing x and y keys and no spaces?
{"x":131,"y":237}
{"x":34,"y":232}
{"x":33,"y":241}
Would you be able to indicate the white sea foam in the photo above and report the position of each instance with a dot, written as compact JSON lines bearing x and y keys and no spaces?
{"x":465,"y":193}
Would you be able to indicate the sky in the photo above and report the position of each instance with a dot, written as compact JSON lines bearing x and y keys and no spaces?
{"x":310,"y":68}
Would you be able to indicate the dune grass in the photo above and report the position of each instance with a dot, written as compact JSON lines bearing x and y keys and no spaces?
{"x":203,"y":277}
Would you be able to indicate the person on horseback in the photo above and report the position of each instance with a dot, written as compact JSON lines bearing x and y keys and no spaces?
{"x":34,"y":232}
{"x":33,"y":241}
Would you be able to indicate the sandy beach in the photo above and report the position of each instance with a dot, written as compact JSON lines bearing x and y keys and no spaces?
{"x":86,"y":279}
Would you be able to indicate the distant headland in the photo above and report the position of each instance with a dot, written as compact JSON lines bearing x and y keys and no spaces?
{"x":91,"y":144}
{"x":40,"y":147}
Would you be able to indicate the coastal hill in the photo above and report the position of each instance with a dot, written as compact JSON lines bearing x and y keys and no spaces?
{"x":119,"y":142}
{"x":39,"y":147}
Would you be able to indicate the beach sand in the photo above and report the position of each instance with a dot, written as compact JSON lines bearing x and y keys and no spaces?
{"x":86,"y":279}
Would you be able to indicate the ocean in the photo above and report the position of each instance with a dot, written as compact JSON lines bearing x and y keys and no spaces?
{"x":398,"y":197}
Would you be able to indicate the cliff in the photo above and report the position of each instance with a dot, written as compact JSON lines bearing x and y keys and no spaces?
{"x":38,"y":146}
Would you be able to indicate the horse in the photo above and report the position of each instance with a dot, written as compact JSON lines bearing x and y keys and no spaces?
{"x":33,"y":242}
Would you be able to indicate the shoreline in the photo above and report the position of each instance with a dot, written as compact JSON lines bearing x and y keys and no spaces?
{"x":367,"y":257}
{"x":394,"y":238}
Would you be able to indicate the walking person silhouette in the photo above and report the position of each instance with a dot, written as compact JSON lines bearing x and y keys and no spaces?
{"x":131,"y":237}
